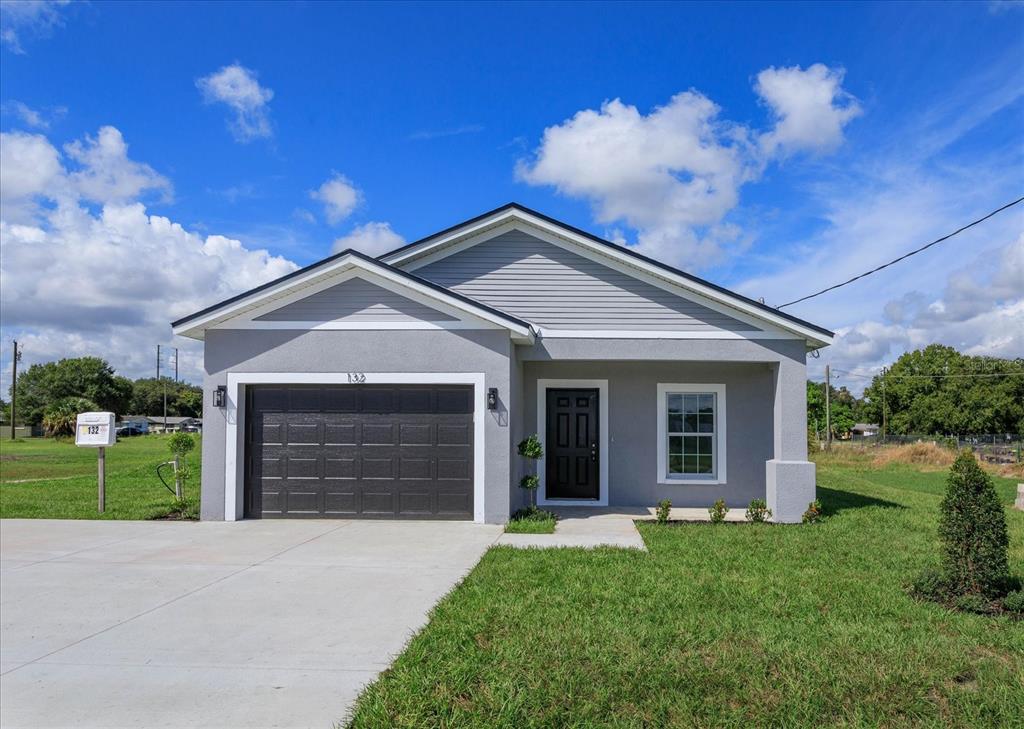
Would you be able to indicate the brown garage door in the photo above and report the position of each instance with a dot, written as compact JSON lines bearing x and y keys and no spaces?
{"x":360,"y":451}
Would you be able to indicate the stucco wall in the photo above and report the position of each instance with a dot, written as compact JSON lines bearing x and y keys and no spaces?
{"x":484,"y":351}
{"x":633,"y":435}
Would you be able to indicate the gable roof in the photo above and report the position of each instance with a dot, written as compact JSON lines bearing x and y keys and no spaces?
{"x":404,"y":255}
{"x":194,"y":325}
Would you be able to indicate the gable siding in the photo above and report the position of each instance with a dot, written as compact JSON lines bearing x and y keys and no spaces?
{"x":355,"y":300}
{"x":554,"y":288}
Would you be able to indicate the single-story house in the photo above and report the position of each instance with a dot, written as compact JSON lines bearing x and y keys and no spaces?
{"x":864,"y":430}
{"x":399,"y":386}
{"x":160,"y":424}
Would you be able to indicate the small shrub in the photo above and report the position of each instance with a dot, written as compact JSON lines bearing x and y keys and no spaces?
{"x":718,"y":511}
{"x":813,"y":513}
{"x":1014,"y":602}
{"x":662,"y":512}
{"x":972,"y":527}
{"x":973,"y":603}
{"x":758,"y":511}
{"x":930,"y":584}
{"x":529,"y":482}
{"x":181,"y":443}
{"x":531,"y":447}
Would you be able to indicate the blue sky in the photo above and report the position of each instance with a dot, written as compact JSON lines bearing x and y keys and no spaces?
{"x":430,"y":114}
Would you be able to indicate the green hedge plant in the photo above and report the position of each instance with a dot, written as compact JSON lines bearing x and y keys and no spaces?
{"x":758,"y":511}
{"x":718,"y":511}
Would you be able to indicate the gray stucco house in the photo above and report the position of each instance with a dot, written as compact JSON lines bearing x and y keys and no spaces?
{"x":398,"y":387}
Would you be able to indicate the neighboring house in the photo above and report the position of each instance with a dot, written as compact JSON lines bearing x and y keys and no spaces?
{"x":864,"y":430}
{"x":139,"y":422}
{"x":398,"y":387}
{"x":160,"y":424}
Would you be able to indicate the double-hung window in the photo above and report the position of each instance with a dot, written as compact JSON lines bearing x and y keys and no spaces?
{"x":691,"y":433}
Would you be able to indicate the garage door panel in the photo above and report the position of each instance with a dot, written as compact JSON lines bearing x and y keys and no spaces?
{"x":341,"y":503}
{"x":416,"y":434}
{"x":360,"y":451}
{"x":378,"y":434}
{"x":415,"y":469}
{"x":341,"y":468}
{"x":341,"y":434}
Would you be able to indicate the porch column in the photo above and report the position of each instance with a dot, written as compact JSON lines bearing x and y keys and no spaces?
{"x":789,"y":476}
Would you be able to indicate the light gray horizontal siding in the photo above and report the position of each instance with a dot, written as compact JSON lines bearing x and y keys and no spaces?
{"x":552,"y":287}
{"x":355,"y":300}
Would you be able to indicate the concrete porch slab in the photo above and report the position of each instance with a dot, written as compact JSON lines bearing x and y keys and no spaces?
{"x":586,"y":528}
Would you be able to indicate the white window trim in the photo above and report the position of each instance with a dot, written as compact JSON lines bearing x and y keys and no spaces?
{"x":664,"y":388}
{"x":602,"y":424}
{"x":234,"y":481}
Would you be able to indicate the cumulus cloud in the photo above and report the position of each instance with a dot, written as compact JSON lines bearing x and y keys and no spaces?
{"x":107,"y":282}
{"x":673,"y":174}
{"x":237,"y":87}
{"x":810,"y":108}
{"x":28,"y":18}
{"x":339,"y":197}
{"x":106,"y":173}
{"x":373,"y":239}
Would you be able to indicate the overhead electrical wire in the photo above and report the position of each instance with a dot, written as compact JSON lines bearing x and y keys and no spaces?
{"x":903,"y":257}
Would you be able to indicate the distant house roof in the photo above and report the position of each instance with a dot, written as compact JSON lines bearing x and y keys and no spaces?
{"x":865,"y":426}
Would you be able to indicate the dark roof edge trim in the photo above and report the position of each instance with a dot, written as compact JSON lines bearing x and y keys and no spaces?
{"x":368,"y":259}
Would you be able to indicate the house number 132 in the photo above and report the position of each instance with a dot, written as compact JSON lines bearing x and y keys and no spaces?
{"x":357,"y":377}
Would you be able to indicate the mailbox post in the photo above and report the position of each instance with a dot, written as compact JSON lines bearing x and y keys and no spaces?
{"x":96,"y":430}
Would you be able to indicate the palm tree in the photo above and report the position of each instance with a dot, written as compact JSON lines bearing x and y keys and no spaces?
{"x":60,"y":418}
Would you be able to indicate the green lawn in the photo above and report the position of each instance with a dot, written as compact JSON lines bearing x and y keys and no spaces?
{"x":42,"y":478}
{"x":730,"y":625}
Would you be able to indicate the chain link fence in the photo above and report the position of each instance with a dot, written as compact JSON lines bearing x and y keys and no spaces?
{"x":991,"y":447}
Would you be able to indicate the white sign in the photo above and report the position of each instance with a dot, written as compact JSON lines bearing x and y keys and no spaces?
{"x":95,"y":430}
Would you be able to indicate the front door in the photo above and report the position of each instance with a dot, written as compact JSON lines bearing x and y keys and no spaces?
{"x":572,"y":459}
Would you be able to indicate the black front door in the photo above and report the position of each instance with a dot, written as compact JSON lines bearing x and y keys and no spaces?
{"x":572,"y":458}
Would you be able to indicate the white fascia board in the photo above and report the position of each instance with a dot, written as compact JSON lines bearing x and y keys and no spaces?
{"x":432,"y":250}
{"x":302,"y":286}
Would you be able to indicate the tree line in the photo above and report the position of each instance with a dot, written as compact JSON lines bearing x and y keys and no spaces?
{"x":90,"y":383}
{"x":935,"y":391}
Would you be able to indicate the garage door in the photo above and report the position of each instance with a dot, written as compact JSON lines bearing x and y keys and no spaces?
{"x":360,"y":451}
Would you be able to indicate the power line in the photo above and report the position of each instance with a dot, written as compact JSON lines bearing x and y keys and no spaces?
{"x":905,"y":255}
{"x":911,"y":377}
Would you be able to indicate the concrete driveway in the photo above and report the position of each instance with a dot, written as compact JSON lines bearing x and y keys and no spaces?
{"x":258,"y":623}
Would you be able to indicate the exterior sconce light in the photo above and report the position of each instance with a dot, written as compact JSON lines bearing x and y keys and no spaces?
{"x":492,"y":398}
{"x":220,"y":396}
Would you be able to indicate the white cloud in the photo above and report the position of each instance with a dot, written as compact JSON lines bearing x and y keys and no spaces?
{"x":237,"y":87}
{"x":106,"y":174}
{"x":30,"y":117}
{"x":373,"y":239}
{"x":425,"y":135}
{"x":339,"y":197}
{"x":675,"y":173}
{"x":810,"y":108}
{"x":29,"y":167}
{"x":28,"y":18}
{"x":108,"y":283}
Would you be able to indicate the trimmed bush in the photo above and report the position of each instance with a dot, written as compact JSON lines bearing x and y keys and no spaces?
{"x":972,"y":527}
{"x":758,"y":511}
{"x":931,"y":584}
{"x":181,"y":443}
{"x":663,"y":510}
{"x":1014,"y":602}
{"x":717,"y":511}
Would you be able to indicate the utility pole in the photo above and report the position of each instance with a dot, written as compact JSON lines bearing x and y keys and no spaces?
{"x":14,"y":384}
{"x":828,"y":408}
{"x":883,"y":404}
{"x":162,"y":382}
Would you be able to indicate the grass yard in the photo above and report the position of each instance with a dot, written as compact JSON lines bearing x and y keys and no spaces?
{"x":729,"y":625}
{"x":42,"y":478}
